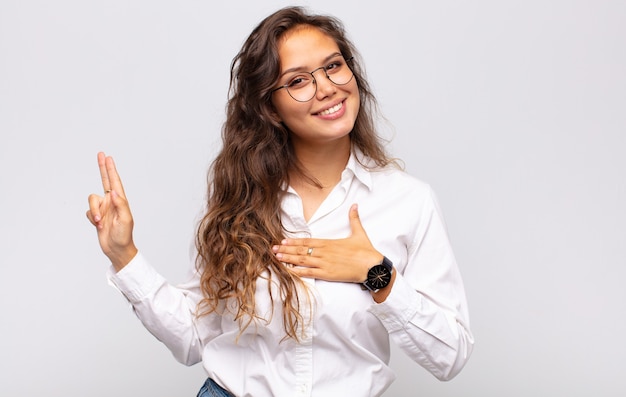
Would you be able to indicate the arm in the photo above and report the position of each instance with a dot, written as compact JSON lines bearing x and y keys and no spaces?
{"x":168,"y":312}
{"x":423,"y":308}
{"x":426,"y":312}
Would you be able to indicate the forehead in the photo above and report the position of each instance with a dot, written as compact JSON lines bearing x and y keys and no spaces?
{"x":305,"y":46}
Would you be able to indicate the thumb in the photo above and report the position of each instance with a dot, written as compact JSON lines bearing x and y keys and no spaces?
{"x":355,"y":221}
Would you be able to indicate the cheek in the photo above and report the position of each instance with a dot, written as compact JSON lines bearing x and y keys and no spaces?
{"x":280,"y":107}
{"x":356,"y":91}
{"x":290,"y":111}
{"x":357,"y":97}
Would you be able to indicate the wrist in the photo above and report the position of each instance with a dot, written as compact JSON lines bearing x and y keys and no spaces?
{"x":379,"y":276}
{"x":121,"y":259}
{"x":382,"y":294}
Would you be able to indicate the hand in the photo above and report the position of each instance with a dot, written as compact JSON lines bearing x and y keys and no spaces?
{"x":346,"y":260}
{"x":111,"y":216}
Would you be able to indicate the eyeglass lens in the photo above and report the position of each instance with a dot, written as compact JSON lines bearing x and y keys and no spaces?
{"x":302,"y":86}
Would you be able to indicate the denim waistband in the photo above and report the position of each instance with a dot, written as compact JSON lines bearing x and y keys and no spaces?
{"x":212,"y":389}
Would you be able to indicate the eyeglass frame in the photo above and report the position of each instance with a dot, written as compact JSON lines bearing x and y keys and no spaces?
{"x":286,"y":86}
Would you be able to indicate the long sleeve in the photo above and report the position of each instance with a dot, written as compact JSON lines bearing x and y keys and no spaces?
{"x":426,"y":312}
{"x":167,"y":311}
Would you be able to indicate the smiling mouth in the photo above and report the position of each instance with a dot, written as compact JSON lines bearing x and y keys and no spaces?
{"x":332,"y":110}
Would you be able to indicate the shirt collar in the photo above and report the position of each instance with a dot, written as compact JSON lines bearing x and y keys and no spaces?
{"x":357,"y":164}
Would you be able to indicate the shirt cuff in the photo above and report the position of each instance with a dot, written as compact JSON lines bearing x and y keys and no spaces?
{"x":400,"y":306}
{"x":136,"y":280}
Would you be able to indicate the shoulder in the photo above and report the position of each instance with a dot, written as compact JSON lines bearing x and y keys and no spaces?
{"x":391,"y":181}
{"x":397,"y":181}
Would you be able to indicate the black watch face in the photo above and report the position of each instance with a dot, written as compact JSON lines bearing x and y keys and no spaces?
{"x":379,"y":277}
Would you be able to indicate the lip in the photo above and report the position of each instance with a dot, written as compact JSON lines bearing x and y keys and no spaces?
{"x":335,"y":115}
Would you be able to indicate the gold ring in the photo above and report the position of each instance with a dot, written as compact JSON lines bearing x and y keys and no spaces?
{"x":309,"y":251}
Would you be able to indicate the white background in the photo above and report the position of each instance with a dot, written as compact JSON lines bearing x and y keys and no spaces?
{"x":515,"y":111}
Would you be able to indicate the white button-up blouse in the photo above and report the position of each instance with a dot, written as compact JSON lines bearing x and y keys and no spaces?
{"x":346,"y":344}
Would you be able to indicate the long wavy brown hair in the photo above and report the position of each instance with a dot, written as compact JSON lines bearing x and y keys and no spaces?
{"x":247,"y":178}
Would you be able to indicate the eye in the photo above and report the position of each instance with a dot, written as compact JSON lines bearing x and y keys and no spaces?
{"x":299,"y":81}
{"x":334,"y":66}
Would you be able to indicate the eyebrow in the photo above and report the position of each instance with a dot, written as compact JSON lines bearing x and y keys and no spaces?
{"x":300,"y":68}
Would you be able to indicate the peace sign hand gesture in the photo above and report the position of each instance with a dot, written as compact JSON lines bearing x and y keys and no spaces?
{"x":111,"y":216}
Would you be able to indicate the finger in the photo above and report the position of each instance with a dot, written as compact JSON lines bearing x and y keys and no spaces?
{"x":321,"y":272}
{"x":303,"y":250}
{"x":305,"y":247}
{"x":114,"y":178}
{"x":292,"y":250}
{"x":298,"y":260}
{"x":94,"y":213}
{"x":90,"y":217}
{"x":295,"y":246}
{"x":306,"y":272}
{"x":104,"y":175}
{"x":296,"y":242}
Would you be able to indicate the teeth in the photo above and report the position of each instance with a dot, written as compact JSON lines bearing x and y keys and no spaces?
{"x":331,"y":110}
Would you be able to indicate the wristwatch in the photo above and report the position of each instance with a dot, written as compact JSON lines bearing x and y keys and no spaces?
{"x":379,"y":275}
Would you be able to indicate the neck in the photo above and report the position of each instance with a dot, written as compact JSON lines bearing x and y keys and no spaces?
{"x":323,"y":162}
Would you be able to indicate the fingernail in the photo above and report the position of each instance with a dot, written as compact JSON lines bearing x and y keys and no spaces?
{"x":96,"y":218}
{"x":275,"y":248}
{"x":279,"y":255}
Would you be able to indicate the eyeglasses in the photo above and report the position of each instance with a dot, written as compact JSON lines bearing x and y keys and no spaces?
{"x":302,"y":86}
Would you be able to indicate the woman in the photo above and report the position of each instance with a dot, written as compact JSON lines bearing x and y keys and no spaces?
{"x":297,"y":291}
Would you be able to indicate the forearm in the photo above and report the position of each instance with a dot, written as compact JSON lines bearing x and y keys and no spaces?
{"x":167,"y":312}
{"x":436,"y":337}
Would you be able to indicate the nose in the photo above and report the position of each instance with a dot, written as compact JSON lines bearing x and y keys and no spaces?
{"x":325,"y":87}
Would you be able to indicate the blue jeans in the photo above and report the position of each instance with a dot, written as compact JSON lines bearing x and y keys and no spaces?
{"x":212,"y":389}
